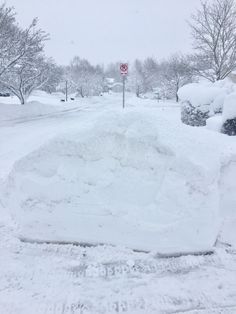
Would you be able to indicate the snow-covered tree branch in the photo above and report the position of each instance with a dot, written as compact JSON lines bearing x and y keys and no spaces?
{"x":214,"y":34}
{"x":22,"y":64}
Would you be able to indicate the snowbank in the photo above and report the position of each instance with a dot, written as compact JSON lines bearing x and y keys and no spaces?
{"x":228,"y":201}
{"x":38,"y":105}
{"x":214,"y":123}
{"x":229,"y":111}
{"x":116,"y":182}
{"x":229,"y":115}
{"x":37,"y":96}
{"x":32,"y":109}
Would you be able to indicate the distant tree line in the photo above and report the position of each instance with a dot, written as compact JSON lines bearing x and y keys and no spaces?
{"x":24,"y":66}
{"x":163,"y":79}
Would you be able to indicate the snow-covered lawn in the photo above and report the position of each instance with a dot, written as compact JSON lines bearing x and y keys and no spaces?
{"x":88,"y":172}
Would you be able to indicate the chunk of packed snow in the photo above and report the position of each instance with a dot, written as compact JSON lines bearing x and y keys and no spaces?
{"x":116,"y":182}
{"x":214,"y":123}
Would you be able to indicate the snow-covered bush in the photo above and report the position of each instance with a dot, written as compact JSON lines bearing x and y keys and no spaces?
{"x":202,"y":100}
{"x":229,"y":115}
{"x":229,"y":127}
{"x":194,"y":116}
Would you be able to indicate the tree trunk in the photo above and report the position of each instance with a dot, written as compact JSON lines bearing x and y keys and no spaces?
{"x":81,"y":92}
{"x":22,"y":101}
{"x":22,"y":98}
{"x":177,"y":97}
{"x":138,"y":91}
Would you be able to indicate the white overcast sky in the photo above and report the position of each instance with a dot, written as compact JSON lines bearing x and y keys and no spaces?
{"x":110,"y":30}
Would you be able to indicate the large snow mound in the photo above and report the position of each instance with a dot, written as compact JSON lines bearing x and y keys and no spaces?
{"x":16,"y":112}
{"x":38,"y":96}
{"x":117,"y":182}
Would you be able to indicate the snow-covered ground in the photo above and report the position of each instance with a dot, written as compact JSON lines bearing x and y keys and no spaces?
{"x":88,"y":172}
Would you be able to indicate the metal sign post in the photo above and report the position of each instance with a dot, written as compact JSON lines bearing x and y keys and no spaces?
{"x":123,"y":91}
{"x":124,"y":71}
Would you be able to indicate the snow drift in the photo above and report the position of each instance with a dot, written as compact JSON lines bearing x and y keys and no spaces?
{"x":229,"y":111}
{"x":116,"y":182}
{"x":229,"y":115}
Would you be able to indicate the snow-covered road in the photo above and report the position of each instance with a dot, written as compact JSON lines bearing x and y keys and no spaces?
{"x":66,"y":279}
{"x":19,"y":136}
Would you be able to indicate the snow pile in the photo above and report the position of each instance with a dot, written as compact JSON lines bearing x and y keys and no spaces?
{"x":229,"y":115}
{"x":229,"y":111}
{"x":115,"y":182}
{"x":214,"y":123}
{"x":13,"y":111}
{"x":228,"y":201}
{"x":36,"y":107}
{"x":37,"y":96}
{"x":45,"y":98}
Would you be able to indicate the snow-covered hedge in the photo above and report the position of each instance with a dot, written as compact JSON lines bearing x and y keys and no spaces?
{"x":229,"y":115}
{"x":202,"y":100}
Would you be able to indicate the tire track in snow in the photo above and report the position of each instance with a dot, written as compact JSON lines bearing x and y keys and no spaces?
{"x":55,"y":114}
{"x":65,"y":279}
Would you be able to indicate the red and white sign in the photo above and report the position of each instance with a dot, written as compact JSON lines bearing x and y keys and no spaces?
{"x":124,"y":68}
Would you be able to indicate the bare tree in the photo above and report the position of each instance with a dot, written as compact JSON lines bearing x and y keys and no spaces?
{"x":112,"y":71}
{"x":55,"y":76}
{"x":151,"y":71}
{"x":137,"y":78}
{"x":144,"y":76}
{"x":86,"y":78}
{"x":214,"y":33}
{"x":176,"y":72}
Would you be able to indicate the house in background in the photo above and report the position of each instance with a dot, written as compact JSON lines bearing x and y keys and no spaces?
{"x":110,"y":85}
